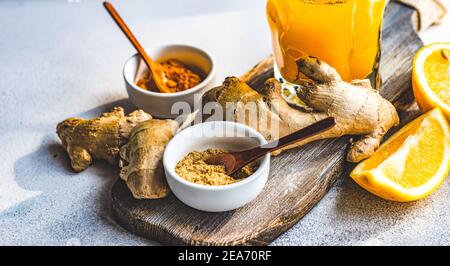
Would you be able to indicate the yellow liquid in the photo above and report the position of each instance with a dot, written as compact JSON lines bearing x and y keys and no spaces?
{"x":343,"y":33}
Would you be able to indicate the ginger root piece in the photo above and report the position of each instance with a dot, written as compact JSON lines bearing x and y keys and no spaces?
{"x":358,"y":109}
{"x":98,"y":138}
{"x":141,"y":158}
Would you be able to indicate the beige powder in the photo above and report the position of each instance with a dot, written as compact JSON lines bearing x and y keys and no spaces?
{"x":194,"y":169}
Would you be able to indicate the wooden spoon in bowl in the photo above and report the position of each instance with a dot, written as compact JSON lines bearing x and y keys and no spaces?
{"x":234,"y":161}
{"x":155,"y":68}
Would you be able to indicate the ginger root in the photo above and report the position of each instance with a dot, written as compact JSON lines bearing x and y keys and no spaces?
{"x":136,"y":142}
{"x":98,"y":138}
{"x":141,"y":158}
{"x":358,"y":109}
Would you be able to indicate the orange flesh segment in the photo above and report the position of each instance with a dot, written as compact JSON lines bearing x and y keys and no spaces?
{"x":437,"y":73}
{"x":417,"y":168}
{"x":390,"y":147}
{"x":422,"y":138}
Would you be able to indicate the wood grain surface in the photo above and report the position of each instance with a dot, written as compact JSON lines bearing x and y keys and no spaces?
{"x":299,"y":178}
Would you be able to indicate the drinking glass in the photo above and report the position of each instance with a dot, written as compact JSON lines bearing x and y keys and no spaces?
{"x":346,"y":34}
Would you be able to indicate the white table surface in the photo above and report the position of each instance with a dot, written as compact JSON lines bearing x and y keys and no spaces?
{"x":64,"y":58}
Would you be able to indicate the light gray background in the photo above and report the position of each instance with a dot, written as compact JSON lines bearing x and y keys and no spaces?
{"x":64,"y":58}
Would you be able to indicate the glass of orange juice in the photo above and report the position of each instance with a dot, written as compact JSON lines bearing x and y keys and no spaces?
{"x":344,"y":33}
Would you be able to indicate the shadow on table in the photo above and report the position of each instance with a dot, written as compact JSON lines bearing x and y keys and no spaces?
{"x":367,"y":215}
{"x":355,"y":201}
{"x":60,"y":186}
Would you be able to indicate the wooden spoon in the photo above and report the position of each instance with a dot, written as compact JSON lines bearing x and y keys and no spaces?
{"x":234,"y":161}
{"x":155,"y":68}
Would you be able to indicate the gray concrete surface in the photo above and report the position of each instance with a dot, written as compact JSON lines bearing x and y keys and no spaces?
{"x":64,"y":58}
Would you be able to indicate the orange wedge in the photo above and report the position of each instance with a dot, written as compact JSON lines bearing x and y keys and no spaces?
{"x":412,"y":163}
{"x":431,"y":77}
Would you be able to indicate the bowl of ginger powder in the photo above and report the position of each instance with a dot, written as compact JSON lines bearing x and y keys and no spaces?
{"x":207,"y":187}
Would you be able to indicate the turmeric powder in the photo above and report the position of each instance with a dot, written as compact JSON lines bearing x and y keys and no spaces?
{"x":180,"y":77}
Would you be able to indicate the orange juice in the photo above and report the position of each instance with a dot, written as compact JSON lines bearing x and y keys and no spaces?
{"x":344,"y":33}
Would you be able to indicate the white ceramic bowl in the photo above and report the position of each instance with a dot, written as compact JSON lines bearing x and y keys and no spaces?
{"x":222,"y":135}
{"x":160,"y":104}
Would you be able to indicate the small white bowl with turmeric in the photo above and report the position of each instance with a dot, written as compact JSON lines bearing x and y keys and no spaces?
{"x":207,"y":187}
{"x":190,"y":71}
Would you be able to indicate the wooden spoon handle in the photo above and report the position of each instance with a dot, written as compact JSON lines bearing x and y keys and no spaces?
{"x":153,"y":67}
{"x":300,"y":135}
{"x":123,"y":26}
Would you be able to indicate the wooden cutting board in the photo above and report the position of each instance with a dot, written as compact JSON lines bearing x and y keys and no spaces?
{"x":298,"y":180}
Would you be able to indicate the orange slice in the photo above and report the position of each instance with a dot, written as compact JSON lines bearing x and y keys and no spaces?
{"x":431,"y":77}
{"x":412,"y":163}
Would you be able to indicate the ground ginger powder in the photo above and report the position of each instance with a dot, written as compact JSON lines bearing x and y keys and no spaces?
{"x":194,"y":169}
